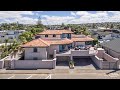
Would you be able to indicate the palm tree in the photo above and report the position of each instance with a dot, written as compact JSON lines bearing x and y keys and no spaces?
{"x":15,"y":47}
{"x":6,"y":41}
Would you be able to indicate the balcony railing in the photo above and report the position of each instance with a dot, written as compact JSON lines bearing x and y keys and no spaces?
{"x":73,"y":52}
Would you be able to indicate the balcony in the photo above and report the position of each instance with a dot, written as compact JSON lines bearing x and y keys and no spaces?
{"x":73,"y":52}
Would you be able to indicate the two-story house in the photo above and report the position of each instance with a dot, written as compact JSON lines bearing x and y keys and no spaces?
{"x":49,"y":40}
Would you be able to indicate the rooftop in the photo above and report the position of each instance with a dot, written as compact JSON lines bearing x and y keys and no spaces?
{"x":59,"y":41}
{"x":113,"y":45}
{"x":82,"y":39}
{"x":36,"y":43}
{"x":55,"y":32}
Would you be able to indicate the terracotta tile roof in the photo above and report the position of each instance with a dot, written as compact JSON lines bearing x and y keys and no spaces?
{"x":55,"y":32}
{"x":36,"y":43}
{"x":77,"y":36}
{"x":82,"y":39}
{"x":59,"y":41}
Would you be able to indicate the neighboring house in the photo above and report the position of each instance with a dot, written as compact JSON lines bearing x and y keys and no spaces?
{"x":10,"y":34}
{"x":112,"y":47}
{"x":104,"y":36}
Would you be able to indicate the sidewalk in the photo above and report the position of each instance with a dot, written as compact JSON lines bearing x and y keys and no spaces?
{"x":55,"y":71}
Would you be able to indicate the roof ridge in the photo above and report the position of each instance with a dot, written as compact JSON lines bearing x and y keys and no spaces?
{"x":44,"y":41}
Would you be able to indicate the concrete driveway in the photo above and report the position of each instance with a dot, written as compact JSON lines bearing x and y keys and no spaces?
{"x":85,"y":63}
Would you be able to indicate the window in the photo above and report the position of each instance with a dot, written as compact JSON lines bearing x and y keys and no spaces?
{"x":2,"y":36}
{"x":35,"y":58}
{"x":46,"y":35}
{"x":10,"y":37}
{"x":37,"y":37}
{"x":35,"y":49}
{"x":88,"y":43}
{"x":54,"y":35}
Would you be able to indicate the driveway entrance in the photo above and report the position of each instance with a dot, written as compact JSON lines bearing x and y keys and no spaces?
{"x":84,"y":63}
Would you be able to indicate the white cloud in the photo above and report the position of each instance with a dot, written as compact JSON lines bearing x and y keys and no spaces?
{"x":56,"y":19}
{"x":82,"y":13}
{"x":77,"y":17}
{"x":72,"y":13}
{"x":17,"y":16}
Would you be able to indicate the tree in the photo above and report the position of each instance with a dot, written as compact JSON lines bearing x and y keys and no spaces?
{"x":93,"y":26}
{"x":63,"y":25}
{"x":111,"y":26}
{"x":6,"y":46}
{"x":107,"y":25}
{"x":15,"y":49}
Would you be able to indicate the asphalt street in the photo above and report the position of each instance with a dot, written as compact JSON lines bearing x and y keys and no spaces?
{"x":61,"y":76}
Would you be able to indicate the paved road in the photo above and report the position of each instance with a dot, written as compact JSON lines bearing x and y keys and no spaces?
{"x":61,"y":76}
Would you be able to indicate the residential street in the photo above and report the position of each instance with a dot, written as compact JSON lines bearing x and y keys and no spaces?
{"x":59,"y":74}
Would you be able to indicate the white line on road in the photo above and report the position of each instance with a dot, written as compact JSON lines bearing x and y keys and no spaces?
{"x":11,"y":76}
{"x":29,"y":77}
{"x":48,"y":77}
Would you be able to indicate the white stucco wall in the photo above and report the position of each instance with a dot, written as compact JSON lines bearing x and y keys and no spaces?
{"x":41,"y":54}
{"x":52,"y":48}
{"x":49,"y":36}
{"x":97,"y":61}
{"x":33,"y":64}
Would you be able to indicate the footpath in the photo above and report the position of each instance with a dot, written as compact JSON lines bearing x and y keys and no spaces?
{"x":55,"y":71}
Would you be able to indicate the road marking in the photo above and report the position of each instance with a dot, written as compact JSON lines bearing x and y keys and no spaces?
{"x":29,"y":77}
{"x":113,"y":75}
{"x":11,"y":76}
{"x":48,"y":77}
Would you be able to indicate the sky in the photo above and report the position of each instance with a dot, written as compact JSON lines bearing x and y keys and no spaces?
{"x":59,"y":17}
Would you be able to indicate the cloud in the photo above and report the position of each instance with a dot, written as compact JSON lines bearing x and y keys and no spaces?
{"x":72,"y":13}
{"x":76,"y":17}
{"x":56,"y":19}
{"x":17,"y":16}
{"x":82,"y":13}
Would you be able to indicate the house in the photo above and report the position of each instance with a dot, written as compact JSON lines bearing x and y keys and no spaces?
{"x":112,"y":47}
{"x":59,"y":40}
{"x":10,"y":34}
{"x":52,"y":46}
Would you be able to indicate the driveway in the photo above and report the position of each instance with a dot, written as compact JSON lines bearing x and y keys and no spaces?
{"x":62,"y":65}
{"x":85,"y":63}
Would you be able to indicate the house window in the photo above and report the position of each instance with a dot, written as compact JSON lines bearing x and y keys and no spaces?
{"x":10,"y":37}
{"x":35,"y":58}
{"x":37,"y":37}
{"x":35,"y":49}
{"x":46,"y":35}
{"x":54,"y":35}
{"x":88,"y":43}
{"x":2,"y":36}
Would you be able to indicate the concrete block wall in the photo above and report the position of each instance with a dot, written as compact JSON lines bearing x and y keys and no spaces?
{"x":33,"y":64}
{"x":97,"y":61}
{"x":109,"y":58}
{"x":1,"y":64}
